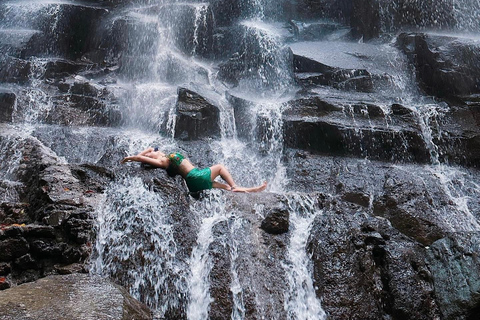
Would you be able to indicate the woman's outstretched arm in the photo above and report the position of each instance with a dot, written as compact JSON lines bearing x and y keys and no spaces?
{"x":159,"y":163}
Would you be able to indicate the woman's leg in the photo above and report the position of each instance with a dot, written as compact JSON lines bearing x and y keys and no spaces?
{"x":218,"y":185}
{"x":220,"y":170}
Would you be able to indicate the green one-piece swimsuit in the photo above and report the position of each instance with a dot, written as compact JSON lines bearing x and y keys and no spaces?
{"x":197,"y":179}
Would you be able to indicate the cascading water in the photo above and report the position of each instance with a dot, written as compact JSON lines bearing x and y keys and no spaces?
{"x":171,"y":44}
{"x":301,"y":301}
{"x":211,"y":213}
{"x":135,"y":245}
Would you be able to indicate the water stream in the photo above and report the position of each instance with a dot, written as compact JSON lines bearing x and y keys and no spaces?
{"x":135,"y":241}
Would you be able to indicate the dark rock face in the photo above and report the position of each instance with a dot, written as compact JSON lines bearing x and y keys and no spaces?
{"x":51,"y":298}
{"x":52,"y":226}
{"x":196,"y":117}
{"x":14,"y":70}
{"x":243,"y":116}
{"x":67,"y":32}
{"x":220,"y":274}
{"x":459,"y":140}
{"x":448,"y":271}
{"x":446,"y":67}
{"x":276,"y":221}
{"x":365,"y":19}
{"x":7,"y":105}
{"x":309,"y":125}
{"x":397,"y":203}
{"x":387,"y":273}
{"x":420,"y":14}
{"x":356,"y":80}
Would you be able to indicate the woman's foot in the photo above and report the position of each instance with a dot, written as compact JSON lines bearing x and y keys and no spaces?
{"x":259,"y":188}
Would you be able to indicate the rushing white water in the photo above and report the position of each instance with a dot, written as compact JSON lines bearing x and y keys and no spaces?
{"x":200,"y":23}
{"x":301,"y":301}
{"x":460,"y":190}
{"x":238,"y":311}
{"x":211,"y":212}
{"x":135,"y":245}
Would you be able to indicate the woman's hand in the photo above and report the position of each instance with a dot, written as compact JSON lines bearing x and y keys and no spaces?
{"x":126,"y":159}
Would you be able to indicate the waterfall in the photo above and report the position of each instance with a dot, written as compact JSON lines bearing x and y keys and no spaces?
{"x":212,"y":212}
{"x":165,"y":246}
{"x":301,"y":301}
{"x":238,"y":312}
{"x":135,"y":245}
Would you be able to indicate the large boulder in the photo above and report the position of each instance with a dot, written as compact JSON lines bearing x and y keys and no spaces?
{"x":458,"y":134}
{"x":51,"y":225}
{"x":310,"y":73}
{"x":320,"y":125}
{"x":65,"y":29}
{"x":453,"y":262}
{"x":445,"y":66}
{"x":196,"y":117}
{"x":73,"y":296}
{"x":364,"y":268}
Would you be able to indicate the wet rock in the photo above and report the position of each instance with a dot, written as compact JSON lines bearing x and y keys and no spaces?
{"x":71,"y":269}
{"x":73,"y":109}
{"x":53,"y":195}
{"x":420,"y":14}
{"x":453,"y":262}
{"x":257,"y":67}
{"x":4,"y":268}
{"x":257,"y":265}
{"x":458,"y":139}
{"x":276,"y":221}
{"x":13,"y":212}
{"x":226,"y":47}
{"x":310,"y":73}
{"x":313,"y":9}
{"x":315,"y":31}
{"x":399,"y":110}
{"x":79,"y":230}
{"x":445,"y":66}
{"x":196,"y":117}
{"x":410,"y":209}
{"x":46,"y":248}
{"x":226,"y":12}
{"x":386,"y":271}
{"x":303,"y":64}
{"x":243,"y":116}
{"x":220,"y":274}
{"x":60,"y":68}
{"x":365,"y":20}
{"x":12,"y":248}
{"x":359,"y":198}
{"x":4,"y":284}
{"x":67,"y":32}
{"x":26,"y":262}
{"x":7,"y":106}
{"x":14,"y":42}
{"x":13,"y":70}
{"x":39,"y":231}
{"x":313,"y":124}
{"x":51,"y":298}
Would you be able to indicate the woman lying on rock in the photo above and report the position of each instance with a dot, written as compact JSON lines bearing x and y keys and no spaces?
{"x":196,"y":179}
